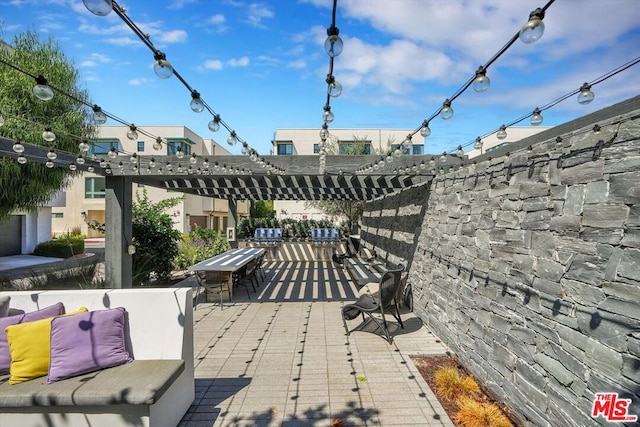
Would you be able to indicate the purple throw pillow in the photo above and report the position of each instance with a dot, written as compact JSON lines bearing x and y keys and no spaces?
{"x":5,"y":357}
{"x":87,"y":342}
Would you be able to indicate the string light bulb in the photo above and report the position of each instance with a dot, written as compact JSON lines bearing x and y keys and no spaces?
{"x":478,"y":144}
{"x":481,"y":82}
{"x":334,"y":89}
{"x":446,"y":113}
{"x":48,"y":135}
{"x":533,"y":29}
{"x":245,"y":149}
{"x":197,"y":106}
{"x":132,"y":134}
{"x":193,"y":159}
{"x":99,"y":7}
{"x":162,"y":67}
{"x":52,"y":155}
{"x":407,"y":144}
{"x":536,"y":117}
{"x":42,"y":90}
{"x":18,"y":147}
{"x":333,"y":44}
{"x":327,"y":115}
{"x":72,"y":166}
{"x":112,"y":153}
{"x":586,"y":95}
{"x":324,"y":132}
{"x":425,"y":131}
{"x":80,"y":159}
{"x":502,"y":132}
{"x":22,"y":159}
{"x":134,"y":158}
{"x":157,"y":144}
{"x":99,"y":117}
{"x":83,"y":146}
{"x":443,"y":158}
{"x":214,"y":124}
{"x":179,"y":153}
{"x":459,"y":151}
{"x":90,"y":169}
{"x":50,"y":164}
{"x":232,"y":139}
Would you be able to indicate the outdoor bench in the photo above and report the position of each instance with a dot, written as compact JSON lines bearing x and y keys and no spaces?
{"x":365,"y":267}
{"x":155,"y":389}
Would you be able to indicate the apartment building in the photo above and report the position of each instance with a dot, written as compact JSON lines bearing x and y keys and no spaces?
{"x":85,"y":197}
{"x":292,"y":142}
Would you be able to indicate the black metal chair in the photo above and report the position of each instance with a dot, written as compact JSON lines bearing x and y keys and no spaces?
{"x":371,"y":304}
{"x":244,"y":274}
{"x":351,"y":251}
{"x":209,"y":285}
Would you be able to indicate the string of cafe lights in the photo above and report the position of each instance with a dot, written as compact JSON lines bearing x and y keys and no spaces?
{"x":164,"y":70}
{"x":585,"y":95}
{"x":44,"y":91}
{"x":333,"y":46}
{"x":529,"y":33}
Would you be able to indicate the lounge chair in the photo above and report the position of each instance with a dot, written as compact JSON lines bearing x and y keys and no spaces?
{"x":370,"y":304}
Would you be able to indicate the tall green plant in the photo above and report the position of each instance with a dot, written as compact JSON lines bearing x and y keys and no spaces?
{"x":155,"y":238}
{"x":198,"y":245}
{"x":32,"y":184}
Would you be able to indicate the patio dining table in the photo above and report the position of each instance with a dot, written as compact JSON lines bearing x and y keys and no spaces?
{"x":228,"y":262}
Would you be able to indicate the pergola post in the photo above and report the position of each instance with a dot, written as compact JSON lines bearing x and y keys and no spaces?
{"x":232,"y":222}
{"x":118,"y":232}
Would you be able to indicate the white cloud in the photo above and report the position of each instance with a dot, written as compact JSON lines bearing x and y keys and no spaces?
{"x":217,"y":19}
{"x":179,"y":4}
{"x":299,"y":64}
{"x":238,"y":62}
{"x":175,"y":36}
{"x":140,"y":81}
{"x":256,"y":13}
{"x":213,"y":64}
{"x":124,"y":41}
{"x":88,"y":63}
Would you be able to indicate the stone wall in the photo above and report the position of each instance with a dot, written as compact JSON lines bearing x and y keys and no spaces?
{"x":527,"y":265}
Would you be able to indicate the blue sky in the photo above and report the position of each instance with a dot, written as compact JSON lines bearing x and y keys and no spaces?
{"x":261,"y":64}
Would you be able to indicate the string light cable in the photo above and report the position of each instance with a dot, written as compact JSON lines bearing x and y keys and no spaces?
{"x":529,"y":33}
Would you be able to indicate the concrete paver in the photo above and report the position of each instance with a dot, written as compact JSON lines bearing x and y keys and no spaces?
{"x":291,"y":364}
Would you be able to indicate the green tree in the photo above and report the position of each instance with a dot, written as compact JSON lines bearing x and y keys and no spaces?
{"x":350,"y":209}
{"x":262,"y":209}
{"x":155,"y":238}
{"x":25,"y":117}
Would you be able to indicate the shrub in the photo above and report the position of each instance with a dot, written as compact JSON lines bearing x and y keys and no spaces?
{"x":80,"y":276}
{"x":198,"y":245}
{"x":64,"y":247}
{"x":480,"y":414}
{"x":450,"y":385}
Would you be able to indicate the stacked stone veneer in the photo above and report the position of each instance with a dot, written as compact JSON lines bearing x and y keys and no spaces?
{"x":529,"y":270}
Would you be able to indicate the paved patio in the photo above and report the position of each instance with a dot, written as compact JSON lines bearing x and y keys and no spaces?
{"x":282,"y":358}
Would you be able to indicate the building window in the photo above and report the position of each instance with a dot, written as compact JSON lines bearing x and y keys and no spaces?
{"x":355,"y":147}
{"x":316,"y":148}
{"x":285,"y":149}
{"x":418,"y":150}
{"x":140,"y":146}
{"x":57,"y":215}
{"x":94,"y":188}
{"x":103,"y":147}
{"x":172,"y":148}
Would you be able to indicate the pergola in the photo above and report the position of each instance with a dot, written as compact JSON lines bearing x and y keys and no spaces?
{"x":296,"y":178}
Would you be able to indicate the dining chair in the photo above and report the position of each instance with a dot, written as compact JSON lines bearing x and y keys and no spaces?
{"x":372,"y":304}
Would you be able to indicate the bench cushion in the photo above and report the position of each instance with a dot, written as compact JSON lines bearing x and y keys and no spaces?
{"x":141,"y":382}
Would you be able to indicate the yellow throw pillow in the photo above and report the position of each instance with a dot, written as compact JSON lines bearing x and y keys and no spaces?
{"x":30,"y":348}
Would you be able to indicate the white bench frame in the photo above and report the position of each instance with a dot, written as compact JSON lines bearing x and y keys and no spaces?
{"x":160,"y":327}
